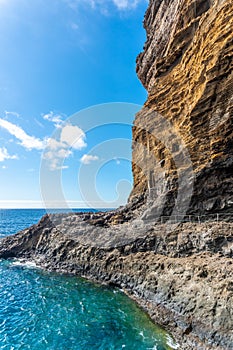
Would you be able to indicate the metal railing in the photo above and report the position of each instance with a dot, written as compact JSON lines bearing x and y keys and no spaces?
{"x":174,"y":219}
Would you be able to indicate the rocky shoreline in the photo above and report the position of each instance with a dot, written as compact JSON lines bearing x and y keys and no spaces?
{"x":182,"y":276}
{"x":180,"y":273}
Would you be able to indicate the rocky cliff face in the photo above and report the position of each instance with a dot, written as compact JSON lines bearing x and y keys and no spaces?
{"x":186,"y":68}
{"x":182,"y":162}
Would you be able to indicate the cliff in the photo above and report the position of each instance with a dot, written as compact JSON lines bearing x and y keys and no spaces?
{"x":186,"y":68}
{"x":180,"y":272}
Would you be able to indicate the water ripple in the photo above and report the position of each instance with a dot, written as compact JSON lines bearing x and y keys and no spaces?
{"x":40,"y":311}
{"x":44,"y":311}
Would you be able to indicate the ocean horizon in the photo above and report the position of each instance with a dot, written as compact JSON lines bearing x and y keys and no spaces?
{"x":40,"y":310}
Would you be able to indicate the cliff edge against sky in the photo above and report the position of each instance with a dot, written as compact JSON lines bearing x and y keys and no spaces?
{"x":186,"y":67}
{"x":181,"y":273}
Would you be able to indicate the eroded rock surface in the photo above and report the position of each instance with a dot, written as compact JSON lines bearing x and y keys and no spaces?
{"x":181,"y":274}
{"x":182,"y":164}
{"x":186,"y":67}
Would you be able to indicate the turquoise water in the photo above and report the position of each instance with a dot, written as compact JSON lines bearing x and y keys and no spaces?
{"x":45,"y":311}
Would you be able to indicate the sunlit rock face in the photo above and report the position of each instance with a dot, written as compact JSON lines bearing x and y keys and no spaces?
{"x":186,"y":67}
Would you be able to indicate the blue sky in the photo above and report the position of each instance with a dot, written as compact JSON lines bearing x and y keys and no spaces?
{"x":58,"y":58}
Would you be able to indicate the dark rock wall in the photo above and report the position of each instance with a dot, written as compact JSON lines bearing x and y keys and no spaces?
{"x":183,"y":277}
{"x":182,"y":162}
{"x":186,"y":67}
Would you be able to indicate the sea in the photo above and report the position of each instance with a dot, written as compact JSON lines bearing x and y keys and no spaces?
{"x":40,"y":310}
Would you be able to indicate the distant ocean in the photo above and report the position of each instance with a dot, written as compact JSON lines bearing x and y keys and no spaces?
{"x":46,"y":311}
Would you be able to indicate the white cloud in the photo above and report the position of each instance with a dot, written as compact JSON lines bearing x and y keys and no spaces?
{"x":64,"y":153}
{"x":74,"y":26}
{"x":61,"y":153}
{"x":87,"y":159}
{"x":56,"y":164}
{"x":14,"y":114}
{"x":54,"y":145}
{"x":27,"y":141}
{"x":55,"y":153}
{"x":73,"y":136}
{"x":39,"y":123}
{"x":57,"y":150}
{"x":126,"y":4}
{"x":5,"y":155}
{"x":103,"y":5}
{"x":54,"y":118}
